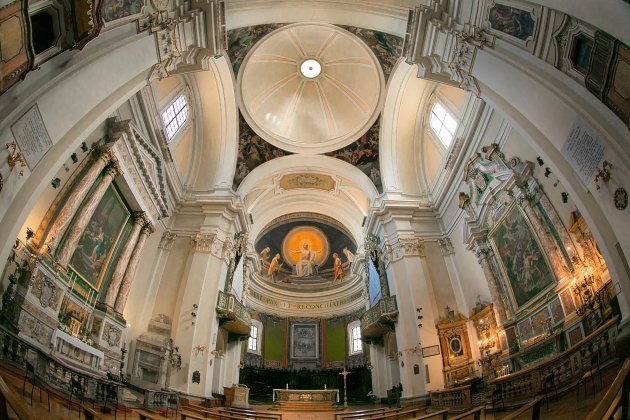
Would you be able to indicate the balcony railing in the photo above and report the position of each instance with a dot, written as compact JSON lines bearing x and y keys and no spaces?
{"x":379,"y":319}
{"x":234,"y":316}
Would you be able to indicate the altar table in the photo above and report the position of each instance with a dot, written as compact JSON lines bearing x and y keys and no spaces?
{"x":306,"y":399}
{"x":75,"y":349}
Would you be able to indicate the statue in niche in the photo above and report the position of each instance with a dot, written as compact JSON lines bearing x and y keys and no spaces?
{"x":349,"y":255}
{"x":338,"y":270}
{"x":305,"y":265}
{"x":274,"y":266}
{"x":449,"y":314}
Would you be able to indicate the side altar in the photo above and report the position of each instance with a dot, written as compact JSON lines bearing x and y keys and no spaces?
{"x":306,"y":399}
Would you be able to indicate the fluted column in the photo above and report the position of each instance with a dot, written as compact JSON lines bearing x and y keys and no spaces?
{"x":85,"y":214}
{"x":139,"y":220}
{"x":76,"y":196}
{"x":495,"y":295}
{"x":125,"y":287}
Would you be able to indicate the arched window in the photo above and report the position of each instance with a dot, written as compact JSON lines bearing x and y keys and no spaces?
{"x":443,"y":124}
{"x":254,"y":340}
{"x":354,"y":334}
{"x":174,"y":116}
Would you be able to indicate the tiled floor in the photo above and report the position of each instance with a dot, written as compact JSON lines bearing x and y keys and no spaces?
{"x":566,"y":408}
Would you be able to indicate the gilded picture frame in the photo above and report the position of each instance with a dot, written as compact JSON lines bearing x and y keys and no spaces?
{"x":96,"y":247}
{"x":521,"y":258}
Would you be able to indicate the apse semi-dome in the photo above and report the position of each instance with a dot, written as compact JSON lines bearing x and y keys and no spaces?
{"x":310,"y":88}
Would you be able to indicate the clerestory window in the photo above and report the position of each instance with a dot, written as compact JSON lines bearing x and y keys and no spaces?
{"x":443,"y":124}
{"x":174,"y":116}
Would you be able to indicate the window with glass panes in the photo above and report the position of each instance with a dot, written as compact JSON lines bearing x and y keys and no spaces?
{"x":443,"y":124}
{"x":175,"y":116}
{"x":252,"y":343}
{"x":356,"y":340}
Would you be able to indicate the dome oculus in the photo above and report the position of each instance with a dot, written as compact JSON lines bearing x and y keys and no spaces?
{"x":310,"y":68}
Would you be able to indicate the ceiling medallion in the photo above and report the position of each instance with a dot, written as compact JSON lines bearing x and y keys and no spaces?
{"x":310,"y":68}
{"x":621,"y":198}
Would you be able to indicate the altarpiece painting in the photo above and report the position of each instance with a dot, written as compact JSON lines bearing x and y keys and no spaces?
{"x":521,"y":258}
{"x":304,"y":341}
{"x":97,"y":244}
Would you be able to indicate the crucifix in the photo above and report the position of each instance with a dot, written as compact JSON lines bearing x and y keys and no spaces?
{"x":344,"y":373}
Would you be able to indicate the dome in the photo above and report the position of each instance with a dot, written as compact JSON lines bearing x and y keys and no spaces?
{"x":310,"y":88}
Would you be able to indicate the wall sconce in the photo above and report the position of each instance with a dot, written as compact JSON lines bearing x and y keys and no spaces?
{"x":15,"y":157}
{"x":200,"y":349}
{"x":194,"y":312}
{"x":419,"y":310}
{"x":74,"y":158}
{"x":55,"y":182}
{"x":84,"y":147}
{"x":603,"y":174}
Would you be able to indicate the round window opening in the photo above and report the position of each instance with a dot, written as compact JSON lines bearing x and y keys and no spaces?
{"x":310,"y":68}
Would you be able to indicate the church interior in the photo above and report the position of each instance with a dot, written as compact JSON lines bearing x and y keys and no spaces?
{"x":315,"y":206}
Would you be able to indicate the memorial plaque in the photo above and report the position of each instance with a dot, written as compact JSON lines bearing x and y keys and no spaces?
{"x":31,"y":136}
{"x":584,"y":150}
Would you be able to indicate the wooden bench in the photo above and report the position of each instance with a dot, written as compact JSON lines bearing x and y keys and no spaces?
{"x":617,"y":395}
{"x":476,"y":412}
{"x":249,"y":412}
{"x":8,"y":398}
{"x":199,"y":410}
{"x":89,"y":413}
{"x":400,"y":414}
{"x":146,"y":415}
{"x":534,"y":405}
{"x":441,"y":413}
{"x":187,"y":414}
{"x":363,"y":413}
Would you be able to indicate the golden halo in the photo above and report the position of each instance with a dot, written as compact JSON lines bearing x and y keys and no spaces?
{"x":295,"y":239}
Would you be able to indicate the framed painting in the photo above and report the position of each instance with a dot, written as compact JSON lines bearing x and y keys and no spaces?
{"x":96,"y":246}
{"x":517,"y":22}
{"x":112,"y":10}
{"x":566,"y":297}
{"x":575,"y":335}
{"x":521,"y":259}
{"x":304,"y":341}
{"x":557,"y":315}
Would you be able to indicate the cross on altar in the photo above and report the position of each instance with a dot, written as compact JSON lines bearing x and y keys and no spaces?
{"x":345,"y":373}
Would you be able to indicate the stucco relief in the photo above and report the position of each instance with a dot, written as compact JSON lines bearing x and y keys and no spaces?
{"x":45,"y":290}
{"x":111,"y":335}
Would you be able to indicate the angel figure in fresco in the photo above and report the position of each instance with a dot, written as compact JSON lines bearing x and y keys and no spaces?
{"x":349,"y":255}
{"x":264,"y":254}
{"x":338,"y":269}
{"x":274,"y":266}
{"x":304,"y":267}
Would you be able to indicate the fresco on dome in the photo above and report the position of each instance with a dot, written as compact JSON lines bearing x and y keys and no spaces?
{"x":252,"y":151}
{"x":303,"y":251}
{"x":512,"y":21}
{"x":363,"y":154}
{"x":241,"y":40}
{"x":386,"y":47}
{"x":118,"y":9}
{"x":521,"y":258}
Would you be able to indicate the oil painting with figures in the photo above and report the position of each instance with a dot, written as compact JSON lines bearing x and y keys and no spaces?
{"x":305,"y":251}
{"x":99,"y":238}
{"x":118,"y":9}
{"x":521,"y":258}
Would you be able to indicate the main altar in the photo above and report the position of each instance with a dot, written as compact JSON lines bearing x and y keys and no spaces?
{"x":306,"y":399}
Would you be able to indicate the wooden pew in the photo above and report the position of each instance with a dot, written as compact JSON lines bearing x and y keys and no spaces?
{"x":442,"y":413}
{"x":476,"y":412}
{"x":534,"y":405}
{"x":8,"y":398}
{"x":249,"y":412}
{"x":187,"y":414}
{"x":618,"y":394}
{"x":89,"y":413}
{"x":147,"y":415}
{"x":400,"y":413}
{"x":363,"y":413}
